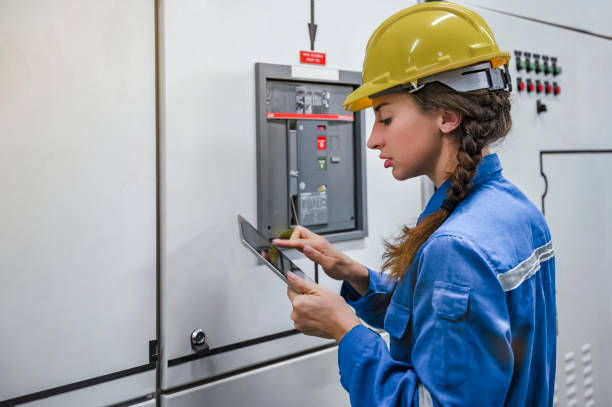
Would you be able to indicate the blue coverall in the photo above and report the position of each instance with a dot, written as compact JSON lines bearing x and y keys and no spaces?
{"x":473,"y":321}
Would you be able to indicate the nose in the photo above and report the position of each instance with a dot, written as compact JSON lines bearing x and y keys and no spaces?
{"x":375,"y":141}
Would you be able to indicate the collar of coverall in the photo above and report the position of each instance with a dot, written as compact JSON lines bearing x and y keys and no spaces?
{"x":488,"y":169}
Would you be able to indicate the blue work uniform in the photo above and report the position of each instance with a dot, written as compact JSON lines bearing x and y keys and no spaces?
{"x":473,"y":320}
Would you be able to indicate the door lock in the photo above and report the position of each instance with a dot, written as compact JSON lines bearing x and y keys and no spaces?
{"x":198,"y":340}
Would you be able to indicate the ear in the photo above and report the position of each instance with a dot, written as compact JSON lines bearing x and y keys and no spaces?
{"x":448,"y":120}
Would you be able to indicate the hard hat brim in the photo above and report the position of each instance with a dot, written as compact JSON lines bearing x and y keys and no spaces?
{"x":360,"y":98}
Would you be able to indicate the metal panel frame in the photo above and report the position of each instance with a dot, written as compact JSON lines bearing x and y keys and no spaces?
{"x":268,"y":152}
{"x":582,"y":357}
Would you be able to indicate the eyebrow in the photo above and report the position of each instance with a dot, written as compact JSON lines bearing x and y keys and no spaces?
{"x":377,"y":108}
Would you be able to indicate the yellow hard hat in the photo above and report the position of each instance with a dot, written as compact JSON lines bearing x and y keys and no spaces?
{"x":422,"y":41}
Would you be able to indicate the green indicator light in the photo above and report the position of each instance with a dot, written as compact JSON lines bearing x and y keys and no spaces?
{"x":558,"y":70}
{"x":523,"y":64}
{"x":532,"y":66}
{"x":548,"y":69}
{"x":322,"y":163}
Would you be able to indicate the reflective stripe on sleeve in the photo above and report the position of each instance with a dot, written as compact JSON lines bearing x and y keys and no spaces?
{"x":424,"y":396}
{"x":511,"y":279}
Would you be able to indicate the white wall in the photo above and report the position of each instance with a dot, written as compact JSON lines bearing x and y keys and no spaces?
{"x":77,"y":207}
{"x":208,"y":172}
{"x":592,"y":16}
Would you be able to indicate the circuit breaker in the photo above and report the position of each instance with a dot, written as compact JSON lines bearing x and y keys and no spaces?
{"x":310,"y":152}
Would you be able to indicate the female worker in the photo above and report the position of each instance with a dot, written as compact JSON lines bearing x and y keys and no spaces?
{"x":468,"y":300}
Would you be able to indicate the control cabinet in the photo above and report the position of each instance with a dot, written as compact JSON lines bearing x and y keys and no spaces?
{"x":310,"y":152}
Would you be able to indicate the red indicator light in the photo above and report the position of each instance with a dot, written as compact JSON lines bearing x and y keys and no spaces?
{"x":321,"y":142}
{"x":531,"y":87}
{"x":540,"y":88}
{"x":548,"y":89}
{"x":557,"y":90}
{"x":321,"y":128}
{"x":521,"y":86}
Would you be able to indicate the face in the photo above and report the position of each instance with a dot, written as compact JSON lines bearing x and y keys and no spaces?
{"x":409,"y":141}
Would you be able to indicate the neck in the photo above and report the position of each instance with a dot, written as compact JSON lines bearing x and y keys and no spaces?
{"x":446,"y":163}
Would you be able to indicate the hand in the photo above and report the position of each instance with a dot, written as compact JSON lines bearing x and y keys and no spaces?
{"x":335,"y":263}
{"x":319,"y":311}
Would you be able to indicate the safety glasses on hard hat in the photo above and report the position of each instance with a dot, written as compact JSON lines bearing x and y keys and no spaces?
{"x":465,"y":79}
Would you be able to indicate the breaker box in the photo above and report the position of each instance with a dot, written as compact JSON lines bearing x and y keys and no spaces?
{"x":310,"y":152}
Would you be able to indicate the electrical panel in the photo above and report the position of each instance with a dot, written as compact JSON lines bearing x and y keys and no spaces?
{"x":311,"y":158}
{"x":538,"y":74}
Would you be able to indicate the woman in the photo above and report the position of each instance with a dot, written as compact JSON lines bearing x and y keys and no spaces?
{"x":468,"y":300}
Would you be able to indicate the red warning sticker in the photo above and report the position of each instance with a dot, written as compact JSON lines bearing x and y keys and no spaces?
{"x":309,"y":57}
{"x":321,"y":142}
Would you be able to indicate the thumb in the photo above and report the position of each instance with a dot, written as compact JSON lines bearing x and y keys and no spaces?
{"x":306,"y":287}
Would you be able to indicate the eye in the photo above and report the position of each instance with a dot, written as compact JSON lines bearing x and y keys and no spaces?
{"x":386,"y":122}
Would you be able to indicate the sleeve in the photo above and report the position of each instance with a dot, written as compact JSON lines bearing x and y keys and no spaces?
{"x":460,"y":336}
{"x":372,"y":306}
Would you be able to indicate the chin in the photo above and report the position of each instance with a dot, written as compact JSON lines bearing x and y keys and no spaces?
{"x":398,"y":175}
{"x":402,"y":175}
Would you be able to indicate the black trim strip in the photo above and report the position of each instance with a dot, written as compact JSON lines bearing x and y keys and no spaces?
{"x":131,"y":402}
{"x":575,"y":151}
{"x":78,"y":385}
{"x":231,"y":347}
{"x":535,"y":20}
{"x":604,"y":151}
{"x":158,"y":322}
{"x":248,"y":368}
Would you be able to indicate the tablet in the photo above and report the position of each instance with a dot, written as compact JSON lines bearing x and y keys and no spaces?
{"x":261,"y":247}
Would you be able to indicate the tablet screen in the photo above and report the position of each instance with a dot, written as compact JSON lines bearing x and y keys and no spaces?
{"x":260,"y":245}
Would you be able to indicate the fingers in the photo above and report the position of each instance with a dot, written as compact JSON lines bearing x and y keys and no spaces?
{"x":294,"y":244}
{"x":318,"y":257}
{"x":304,"y":286}
{"x":291,"y":294}
{"x":297,"y":233}
{"x":301,"y":232}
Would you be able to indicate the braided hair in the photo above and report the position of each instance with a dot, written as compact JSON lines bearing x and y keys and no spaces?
{"x":485,"y":119}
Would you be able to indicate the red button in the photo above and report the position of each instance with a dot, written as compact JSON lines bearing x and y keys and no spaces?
{"x":531,"y":87}
{"x":557,"y":90}
{"x":521,"y":86}
{"x":549,"y":89}
{"x":540,"y":88}
{"x":321,"y":142}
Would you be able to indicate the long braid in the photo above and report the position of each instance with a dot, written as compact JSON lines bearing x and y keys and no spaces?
{"x":485,"y":119}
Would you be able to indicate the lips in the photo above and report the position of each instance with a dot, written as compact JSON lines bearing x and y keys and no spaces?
{"x":388,"y":161}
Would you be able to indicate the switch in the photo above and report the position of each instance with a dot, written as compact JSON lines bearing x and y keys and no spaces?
{"x":556,"y":70}
{"x":538,"y":67}
{"x":530,"y":86}
{"x":548,"y":88}
{"x":547,"y":68}
{"x":520,"y":84}
{"x":539,"y":86}
{"x":520,"y":64}
{"x":528,"y":65}
{"x":541,"y":107}
{"x":321,"y":142}
{"x":557,"y":88}
{"x":322,"y":163}
{"x":334,"y":159}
